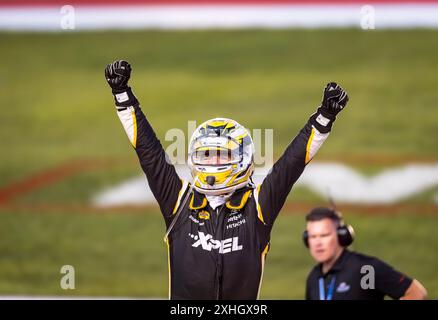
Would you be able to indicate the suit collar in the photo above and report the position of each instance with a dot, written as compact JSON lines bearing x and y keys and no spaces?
{"x":236,"y":202}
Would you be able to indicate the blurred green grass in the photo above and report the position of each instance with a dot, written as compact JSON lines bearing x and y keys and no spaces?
{"x":56,"y":108}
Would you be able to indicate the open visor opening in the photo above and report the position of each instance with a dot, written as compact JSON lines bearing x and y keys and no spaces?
{"x":215,"y":156}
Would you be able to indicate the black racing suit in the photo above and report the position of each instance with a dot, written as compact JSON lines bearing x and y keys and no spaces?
{"x":218,"y":254}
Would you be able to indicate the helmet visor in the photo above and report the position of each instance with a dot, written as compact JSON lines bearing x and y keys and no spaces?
{"x":214,"y":156}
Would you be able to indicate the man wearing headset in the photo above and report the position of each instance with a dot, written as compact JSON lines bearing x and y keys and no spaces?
{"x":346,"y":275}
{"x":219,"y":224}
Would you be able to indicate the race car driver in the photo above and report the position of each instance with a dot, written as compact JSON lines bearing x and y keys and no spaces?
{"x":218,"y":224}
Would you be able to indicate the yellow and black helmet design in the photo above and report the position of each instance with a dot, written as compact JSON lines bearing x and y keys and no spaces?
{"x":221,"y":156}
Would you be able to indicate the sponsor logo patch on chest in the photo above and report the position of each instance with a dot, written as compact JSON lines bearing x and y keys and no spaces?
{"x":205,"y":215}
{"x":235,"y":221}
{"x":206,"y":242}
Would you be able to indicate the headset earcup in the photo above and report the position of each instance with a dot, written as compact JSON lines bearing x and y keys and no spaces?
{"x":306,"y":238}
{"x":345,"y":235}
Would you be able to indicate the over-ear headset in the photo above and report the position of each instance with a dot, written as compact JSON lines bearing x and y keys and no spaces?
{"x":344,"y":231}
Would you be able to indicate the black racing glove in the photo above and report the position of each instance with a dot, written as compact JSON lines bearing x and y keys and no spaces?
{"x":117,"y":75}
{"x":334,"y":101}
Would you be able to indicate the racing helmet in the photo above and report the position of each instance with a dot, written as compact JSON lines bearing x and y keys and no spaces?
{"x":220,"y":156}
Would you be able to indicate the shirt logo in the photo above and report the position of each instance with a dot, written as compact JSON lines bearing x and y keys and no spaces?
{"x":204,"y":215}
{"x":234,"y":218}
{"x":343,"y":287}
{"x":235,"y":221}
{"x":207,"y":243}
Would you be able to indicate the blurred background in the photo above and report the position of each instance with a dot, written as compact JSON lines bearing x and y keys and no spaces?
{"x":63,"y":152}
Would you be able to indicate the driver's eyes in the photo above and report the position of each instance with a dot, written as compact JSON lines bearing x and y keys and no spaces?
{"x":219,"y":155}
{"x":225,"y":155}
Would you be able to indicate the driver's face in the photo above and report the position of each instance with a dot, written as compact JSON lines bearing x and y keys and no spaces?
{"x":212,"y":157}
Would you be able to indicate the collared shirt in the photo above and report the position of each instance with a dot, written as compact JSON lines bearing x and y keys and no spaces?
{"x":356,"y":276}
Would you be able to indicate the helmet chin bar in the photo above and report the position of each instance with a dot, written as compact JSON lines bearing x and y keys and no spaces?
{"x":211,"y":180}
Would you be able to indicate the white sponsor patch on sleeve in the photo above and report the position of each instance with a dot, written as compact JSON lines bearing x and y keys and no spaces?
{"x":322,"y":120}
{"x":122,"y":97}
{"x":315,"y":142}
{"x":129,"y":122}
